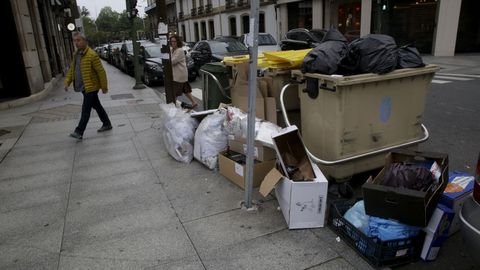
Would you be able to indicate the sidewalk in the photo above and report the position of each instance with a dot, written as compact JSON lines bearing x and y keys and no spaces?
{"x":116,"y":200}
{"x":458,"y":64}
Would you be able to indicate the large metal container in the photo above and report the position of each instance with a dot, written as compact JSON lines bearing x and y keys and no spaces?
{"x":470,"y":217}
{"x":349,"y":122}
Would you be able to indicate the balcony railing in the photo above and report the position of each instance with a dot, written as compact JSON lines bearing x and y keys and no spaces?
{"x":241,"y":3}
{"x":193,"y":12}
{"x":229,"y":4}
{"x":180,"y":15}
{"x":208,"y":8}
{"x":200,"y":10}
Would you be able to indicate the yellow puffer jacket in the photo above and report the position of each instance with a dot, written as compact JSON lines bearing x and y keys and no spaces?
{"x":93,"y":74}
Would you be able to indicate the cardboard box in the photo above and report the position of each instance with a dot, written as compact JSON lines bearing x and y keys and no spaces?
{"x":436,"y":232}
{"x":235,"y":171}
{"x":266,"y":106}
{"x":459,"y":187}
{"x":260,"y":152}
{"x":303,"y":202}
{"x":408,"y":206}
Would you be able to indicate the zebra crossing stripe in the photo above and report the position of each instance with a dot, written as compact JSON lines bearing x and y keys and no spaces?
{"x":453,"y":78}
{"x":440,"y":81}
{"x":461,"y":75}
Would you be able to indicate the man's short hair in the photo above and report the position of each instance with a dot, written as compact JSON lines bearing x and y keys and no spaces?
{"x":79,"y":34}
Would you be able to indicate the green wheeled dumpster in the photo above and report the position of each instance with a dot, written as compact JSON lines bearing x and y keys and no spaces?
{"x":216,"y":87}
{"x":348,"y":123}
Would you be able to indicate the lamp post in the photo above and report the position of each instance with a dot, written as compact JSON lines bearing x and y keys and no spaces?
{"x":132,"y":13}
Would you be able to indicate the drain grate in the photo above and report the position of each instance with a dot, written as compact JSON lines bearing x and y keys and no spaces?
{"x":4,"y":132}
{"x":122,"y":96}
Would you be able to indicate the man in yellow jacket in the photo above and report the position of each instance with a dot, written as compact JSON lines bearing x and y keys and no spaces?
{"x":88,"y":76}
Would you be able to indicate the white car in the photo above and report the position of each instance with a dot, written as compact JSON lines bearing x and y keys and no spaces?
{"x":266,"y":42}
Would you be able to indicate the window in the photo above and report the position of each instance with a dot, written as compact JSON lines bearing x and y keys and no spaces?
{"x":245,"y":24}
{"x":184,"y":33}
{"x":233,"y":26}
{"x":203,"y":26}
{"x":181,"y":5}
{"x":261,"y":23}
{"x":211,"y":29}
{"x":195,"y":29}
{"x":194,"y":3}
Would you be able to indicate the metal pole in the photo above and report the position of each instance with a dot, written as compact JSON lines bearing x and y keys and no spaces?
{"x":252,"y":88}
{"x":133,"y":35}
{"x":161,"y":8}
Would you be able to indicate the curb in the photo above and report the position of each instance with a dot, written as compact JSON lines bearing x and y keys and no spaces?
{"x":32,"y":98}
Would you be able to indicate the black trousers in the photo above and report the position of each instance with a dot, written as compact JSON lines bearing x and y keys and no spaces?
{"x":90,"y":100}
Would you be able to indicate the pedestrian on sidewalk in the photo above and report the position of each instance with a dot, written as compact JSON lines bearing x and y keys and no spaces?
{"x":88,"y":76}
{"x":180,"y":72}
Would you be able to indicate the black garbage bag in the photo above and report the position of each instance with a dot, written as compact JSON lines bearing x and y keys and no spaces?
{"x":408,"y":175}
{"x":370,"y":54}
{"x":326,"y":56}
{"x":409,"y":57}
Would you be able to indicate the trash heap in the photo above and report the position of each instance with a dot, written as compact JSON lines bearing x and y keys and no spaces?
{"x":405,"y":212}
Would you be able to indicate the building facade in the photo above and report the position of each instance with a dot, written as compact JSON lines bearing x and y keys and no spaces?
{"x":437,"y":27}
{"x":39,"y":41}
{"x":153,"y":20}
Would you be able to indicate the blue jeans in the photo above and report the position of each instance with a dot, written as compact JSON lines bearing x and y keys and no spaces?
{"x":90,"y":100}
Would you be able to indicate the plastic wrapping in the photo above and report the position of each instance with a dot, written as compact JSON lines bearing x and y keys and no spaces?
{"x":236,"y":123}
{"x":265,"y":132}
{"x":178,"y":132}
{"x":210,"y":139}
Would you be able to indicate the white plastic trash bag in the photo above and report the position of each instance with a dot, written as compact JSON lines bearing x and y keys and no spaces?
{"x":178,"y":132}
{"x":210,"y":139}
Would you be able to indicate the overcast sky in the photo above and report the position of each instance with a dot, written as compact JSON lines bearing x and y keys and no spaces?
{"x":94,"y":6}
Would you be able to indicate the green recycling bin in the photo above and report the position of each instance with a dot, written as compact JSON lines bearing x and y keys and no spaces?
{"x":216,"y":87}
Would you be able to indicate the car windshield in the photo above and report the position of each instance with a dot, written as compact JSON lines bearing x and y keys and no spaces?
{"x":227,"y":46}
{"x":264,"y":39}
{"x":318,"y":35}
{"x":152,"y":51}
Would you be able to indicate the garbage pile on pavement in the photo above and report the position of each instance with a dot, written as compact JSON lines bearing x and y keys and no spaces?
{"x":406,"y":211}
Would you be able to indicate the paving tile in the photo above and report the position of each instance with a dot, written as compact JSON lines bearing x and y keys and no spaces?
{"x":234,"y":227}
{"x":104,"y":170}
{"x":205,"y":195}
{"x":94,"y":263}
{"x":40,"y":227}
{"x":124,"y":151}
{"x":296,"y":249}
{"x":34,"y":182}
{"x":335,"y":264}
{"x":11,"y":170}
{"x":189,"y":263}
{"x":21,"y":257}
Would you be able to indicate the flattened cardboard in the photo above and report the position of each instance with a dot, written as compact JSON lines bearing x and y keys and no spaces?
{"x":455,"y":200}
{"x":269,"y":182}
{"x":408,"y":206}
{"x":236,"y":172}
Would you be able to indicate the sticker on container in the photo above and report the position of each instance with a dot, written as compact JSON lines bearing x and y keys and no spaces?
{"x":385,"y":109}
{"x":458,"y":184}
{"x":239,"y":169}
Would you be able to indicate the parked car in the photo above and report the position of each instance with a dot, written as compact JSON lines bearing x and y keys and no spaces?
{"x":301,"y":38}
{"x":266,"y":42}
{"x":126,"y":56}
{"x":152,"y":64}
{"x":104,"y":52}
{"x":207,"y":51}
{"x":113,"y":55}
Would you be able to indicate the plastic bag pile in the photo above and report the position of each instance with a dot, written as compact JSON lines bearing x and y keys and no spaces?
{"x":178,"y":132}
{"x":210,"y":139}
{"x":370,"y":54}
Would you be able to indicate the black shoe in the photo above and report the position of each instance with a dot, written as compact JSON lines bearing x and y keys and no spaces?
{"x":104,"y":128}
{"x":76,"y":135}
